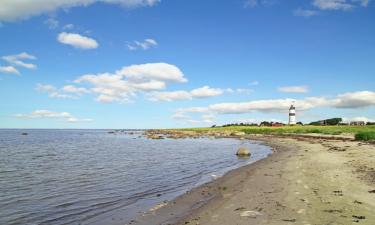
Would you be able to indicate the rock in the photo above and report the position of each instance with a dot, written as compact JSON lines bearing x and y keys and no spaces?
{"x":238,"y":134}
{"x":243,"y":151}
{"x":155,"y":137}
{"x":251,"y":214}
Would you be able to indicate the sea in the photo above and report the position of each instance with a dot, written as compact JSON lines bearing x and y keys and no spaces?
{"x":96,"y":176}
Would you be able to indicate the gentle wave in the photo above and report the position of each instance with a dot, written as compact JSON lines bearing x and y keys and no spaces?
{"x":86,"y":176}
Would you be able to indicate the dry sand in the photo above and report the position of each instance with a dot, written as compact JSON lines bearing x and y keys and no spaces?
{"x":306,"y":181}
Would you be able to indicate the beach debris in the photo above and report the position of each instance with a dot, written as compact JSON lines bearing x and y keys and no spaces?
{"x":243,"y":151}
{"x":238,"y":134}
{"x":357,"y":202}
{"x":371,"y":191}
{"x":214,"y":177}
{"x":155,"y":137}
{"x":240,"y":209}
{"x":359,"y":217}
{"x":338,"y":193}
{"x":289,"y":220}
{"x":332,"y":210}
{"x":251,"y":214}
{"x":158,"y":206}
{"x":356,"y":219}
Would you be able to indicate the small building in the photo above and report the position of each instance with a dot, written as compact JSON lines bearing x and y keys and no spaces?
{"x":357,"y":123}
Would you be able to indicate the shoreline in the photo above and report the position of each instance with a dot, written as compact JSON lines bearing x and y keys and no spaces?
{"x":283,"y":188}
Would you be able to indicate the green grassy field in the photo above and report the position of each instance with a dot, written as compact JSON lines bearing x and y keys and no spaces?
{"x":360,"y":132}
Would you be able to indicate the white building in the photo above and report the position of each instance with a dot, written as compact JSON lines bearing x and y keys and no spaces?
{"x":292,"y":115}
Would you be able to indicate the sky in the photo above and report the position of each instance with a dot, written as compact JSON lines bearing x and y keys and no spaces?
{"x":177,"y":63}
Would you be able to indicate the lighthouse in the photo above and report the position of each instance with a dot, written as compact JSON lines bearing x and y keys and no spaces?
{"x":292,"y":115}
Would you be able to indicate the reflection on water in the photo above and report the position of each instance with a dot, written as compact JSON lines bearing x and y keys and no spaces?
{"x":88,"y":176}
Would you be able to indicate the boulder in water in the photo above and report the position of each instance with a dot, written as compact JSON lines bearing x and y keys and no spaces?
{"x":243,"y":151}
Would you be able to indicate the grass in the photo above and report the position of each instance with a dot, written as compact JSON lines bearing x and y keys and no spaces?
{"x":360,"y":132}
{"x":365,"y":135}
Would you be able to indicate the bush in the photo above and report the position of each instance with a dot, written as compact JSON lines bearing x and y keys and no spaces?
{"x":365,"y":136}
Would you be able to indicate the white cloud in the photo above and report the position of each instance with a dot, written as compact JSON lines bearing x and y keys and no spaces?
{"x":355,"y":99}
{"x":170,"y":96}
{"x":305,"y":12}
{"x":203,"y":92}
{"x":206,"y":91}
{"x":360,"y":118}
{"x":52,"y":91}
{"x":77,"y":40}
{"x":157,"y":71}
{"x":11,"y":10}
{"x":46,"y":114}
{"x":294,"y":89}
{"x":75,"y":90}
{"x":9,"y":70}
{"x":145,"y":44}
{"x":125,"y":83}
{"x":16,"y":60}
{"x":333,"y":4}
{"x":52,"y":23}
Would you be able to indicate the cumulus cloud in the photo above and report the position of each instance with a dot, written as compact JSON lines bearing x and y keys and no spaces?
{"x":127,"y":82}
{"x":77,"y":40}
{"x":294,"y":89}
{"x":46,"y":114}
{"x":53,"y":92}
{"x":157,"y":71}
{"x":16,"y":60}
{"x":75,"y":90}
{"x":11,"y":10}
{"x":351,"y":100}
{"x":339,"y":4}
{"x":145,"y":44}
{"x":332,"y":4}
{"x":360,"y":118}
{"x":203,"y":92}
{"x":206,"y":91}
{"x":9,"y":70}
{"x":355,"y":99}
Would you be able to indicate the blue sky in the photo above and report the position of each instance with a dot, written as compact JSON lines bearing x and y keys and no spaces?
{"x":175,"y":63}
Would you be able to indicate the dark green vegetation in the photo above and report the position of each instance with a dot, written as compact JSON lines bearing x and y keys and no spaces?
{"x":365,"y":136}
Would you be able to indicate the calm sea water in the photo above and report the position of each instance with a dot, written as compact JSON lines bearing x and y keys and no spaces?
{"x":92,"y":177}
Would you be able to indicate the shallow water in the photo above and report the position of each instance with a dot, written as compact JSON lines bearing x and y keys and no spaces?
{"x":88,"y":176}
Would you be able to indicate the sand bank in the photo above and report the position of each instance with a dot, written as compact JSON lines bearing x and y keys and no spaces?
{"x":306,"y":181}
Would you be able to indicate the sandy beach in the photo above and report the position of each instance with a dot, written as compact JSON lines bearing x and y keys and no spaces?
{"x":305,"y":181}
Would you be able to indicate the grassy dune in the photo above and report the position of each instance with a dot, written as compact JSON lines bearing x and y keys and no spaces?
{"x":360,"y":132}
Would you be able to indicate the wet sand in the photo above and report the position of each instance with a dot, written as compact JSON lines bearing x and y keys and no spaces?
{"x":306,"y":181}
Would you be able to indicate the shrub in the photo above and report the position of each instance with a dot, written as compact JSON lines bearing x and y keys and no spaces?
{"x":365,"y":136}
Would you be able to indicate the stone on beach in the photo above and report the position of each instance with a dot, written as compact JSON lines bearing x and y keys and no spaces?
{"x":243,"y":151}
{"x":251,"y":214}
